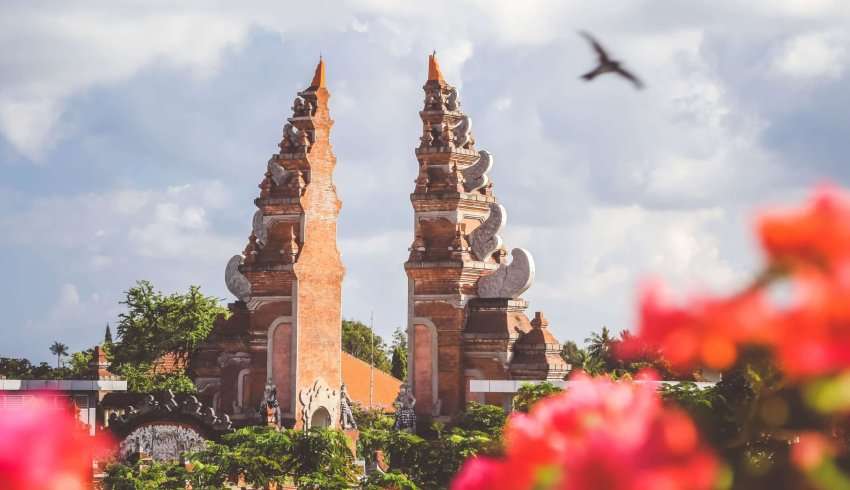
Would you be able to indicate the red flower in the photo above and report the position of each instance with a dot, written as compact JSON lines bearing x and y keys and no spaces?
{"x":816,"y":234}
{"x":599,"y":434}
{"x":705,"y":331}
{"x":813,"y":334}
{"x":42,"y":447}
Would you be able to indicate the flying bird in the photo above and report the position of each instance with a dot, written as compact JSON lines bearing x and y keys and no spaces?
{"x":606,"y":64}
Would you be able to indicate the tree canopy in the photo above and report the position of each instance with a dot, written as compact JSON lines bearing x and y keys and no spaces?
{"x":359,"y":341}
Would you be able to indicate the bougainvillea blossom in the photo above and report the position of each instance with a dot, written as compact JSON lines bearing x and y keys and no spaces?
{"x":599,"y":434}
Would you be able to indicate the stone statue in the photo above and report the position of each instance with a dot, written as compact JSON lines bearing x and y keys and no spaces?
{"x":405,"y":416}
{"x":475,"y":175}
{"x":452,"y":103}
{"x":236,"y":282}
{"x":485,"y":240}
{"x":510,"y":280}
{"x":269,"y":408}
{"x":300,"y":108}
{"x":259,"y":228}
{"x":290,"y":139}
{"x":346,"y":415}
{"x":279,"y":174}
{"x":462,"y":132}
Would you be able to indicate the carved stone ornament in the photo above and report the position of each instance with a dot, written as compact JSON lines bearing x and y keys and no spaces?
{"x":463,"y":132}
{"x":238,"y":359}
{"x":319,"y":395}
{"x":485,"y":240}
{"x":452,"y":103}
{"x":475,"y":175}
{"x":279,"y":174}
{"x":211,"y":384}
{"x":236,"y":282}
{"x":161,"y":442}
{"x":302,"y":107}
{"x":510,"y":280}
{"x":290,"y":139}
{"x":259,"y":228}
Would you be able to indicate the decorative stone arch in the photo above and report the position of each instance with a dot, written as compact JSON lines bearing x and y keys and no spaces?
{"x":413,"y":354}
{"x":321,"y":418}
{"x":286,"y":408}
{"x":317,"y":398}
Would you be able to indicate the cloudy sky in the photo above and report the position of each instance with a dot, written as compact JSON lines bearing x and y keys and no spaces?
{"x":133,"y":137}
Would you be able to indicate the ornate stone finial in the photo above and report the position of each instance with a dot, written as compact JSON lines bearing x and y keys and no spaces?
{"x":276,"y":172}
{"x":510,"y":280}
{"x":539,"y":320}
{"x":417,"y":248}
{"x":485,"y":239}
{"x":434,"y":72}
{"x":237,"y":283}
{"x":259,"y":228}
{"x":304,"y":139}
{"x":427,"y":138}
{"x":319,"y":76}
{"x":475,"y":176}
{"x":292,"y":248}
{"x":251,"y":249}
{"x":297,"y":183}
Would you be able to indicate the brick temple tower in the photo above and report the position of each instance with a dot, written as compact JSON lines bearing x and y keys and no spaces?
{"x":284,"y":330}
{"x":464,"y":311}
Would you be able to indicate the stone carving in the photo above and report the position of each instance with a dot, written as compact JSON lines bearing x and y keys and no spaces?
{"x":270,"y":408}
{"x":290,"y":139}
{"x":452,"y":103}
{"x":427,"y":138}
{"x":462,"y":132}
{"x":509,"y":280}
{"x":433,"y":99}
{"x":259,"y":228}
{"x":204,"y":384}
{"x":475,"y":175}
{"x":279,"y":174}
{"x":320,"y":395}
{"x":405,"y":416}
{"x":238,"y":359}
{"x":237,"y":283}
{"x":162,"y":442}
{"x":302,"y":107}
{"x":346,"y":420}
{"x":485,"y":240}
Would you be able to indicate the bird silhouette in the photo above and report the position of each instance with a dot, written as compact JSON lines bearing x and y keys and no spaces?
{"x":606,"y":64}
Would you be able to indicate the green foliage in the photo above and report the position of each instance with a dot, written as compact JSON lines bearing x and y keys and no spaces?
{"x":371,"y":418}
{"x":431,"y":463}
{"x":141,"y":380}
{"x":528,"y":394}
{"x":58,"y":349}
{"x":392,"y":480}
{"x":19,"y":368}
{"x":399,"y":354}
{"x":359,"y":341}
{"x":481,"y":417}
{"x":155,"y":324}
{"x":152,"y":475}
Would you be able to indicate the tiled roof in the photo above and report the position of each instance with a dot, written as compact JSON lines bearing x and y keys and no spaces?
{"x":356,"y":376}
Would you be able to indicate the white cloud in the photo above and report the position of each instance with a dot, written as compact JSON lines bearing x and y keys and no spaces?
{"x":813,"y":55}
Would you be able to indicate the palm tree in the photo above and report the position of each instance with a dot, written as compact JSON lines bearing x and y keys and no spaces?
{"x":599,"y":345}
{"x":58,"y":349}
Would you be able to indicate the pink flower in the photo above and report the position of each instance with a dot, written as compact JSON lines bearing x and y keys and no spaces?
{"x":599,"y":434}
{"x":42,"y":447}
{"x":705,"y":331}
